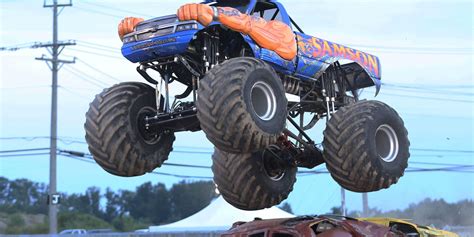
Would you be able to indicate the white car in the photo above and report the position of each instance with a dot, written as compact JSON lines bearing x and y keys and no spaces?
{"x":73,"y":232}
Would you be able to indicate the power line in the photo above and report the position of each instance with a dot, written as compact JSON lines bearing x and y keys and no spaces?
{"x":428,"y":98}
{"x":23,"y":155}
{"x":113,"y":51}
{"x":441,"y":150}
{"x":108,"y":7}
{"x":100,"y":71}
{"x":74,"y":93}
{"x":457,"y":168}
{"x":97,"y":54}
{"x":18,"y":46}
{"x":26,"y":87}
{"x":97,"y":45}
{"x":24,"y":150}
{"x":154,"y":172}
{"x":79,"y":141}
{"x":98,"y":12}
{"x":433,"y":164}
{"x":426,"y":90}
{"x":86,"y":77}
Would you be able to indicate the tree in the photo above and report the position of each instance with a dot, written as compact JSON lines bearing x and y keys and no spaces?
{"x":151,"y":202}
{"x":76,"y":220}
{"x":22,"y":194}
{"x":335,"y":211}
{"x":189,"y":198}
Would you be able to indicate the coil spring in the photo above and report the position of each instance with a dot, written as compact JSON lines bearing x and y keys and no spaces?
{"x":292,"y":86}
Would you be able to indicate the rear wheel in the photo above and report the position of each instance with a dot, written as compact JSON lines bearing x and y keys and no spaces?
{"x":242,"y":106}
{"x":116,"y":133}
{"x":366,"y":147}
{"x":253,"y":181}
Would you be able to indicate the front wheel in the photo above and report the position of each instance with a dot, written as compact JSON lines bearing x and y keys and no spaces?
{"x":241,"y":105}
{"x":366,"y":147}
{"x":116,"y":133}
{"x":253,"y":181}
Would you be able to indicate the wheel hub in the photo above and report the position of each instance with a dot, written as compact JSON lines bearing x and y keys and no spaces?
{"x":386,"y":143}
{"x":272,"y":164}
{"x":146,"y":134}
{"x":263,"y":100}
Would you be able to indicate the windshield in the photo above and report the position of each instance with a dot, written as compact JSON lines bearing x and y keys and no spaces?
{"x":241,"y":5}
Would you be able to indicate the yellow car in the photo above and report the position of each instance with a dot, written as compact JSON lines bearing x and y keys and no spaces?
{"x":408,"y":228}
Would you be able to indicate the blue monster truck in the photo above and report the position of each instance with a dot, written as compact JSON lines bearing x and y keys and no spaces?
{"x":235,"y":91}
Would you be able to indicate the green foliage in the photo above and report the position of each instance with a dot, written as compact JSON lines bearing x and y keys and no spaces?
{"x":16,"y":224}
{"x":23,"y":207}
{"x":24,"y":195}
{"x":76,"y":220}
{"x":335,"y":211}
{"x":189,"y":198}
{"x":149,"y":204}
{"x":127,"y":223}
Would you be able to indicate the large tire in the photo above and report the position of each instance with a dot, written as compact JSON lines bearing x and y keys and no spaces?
{"x":246,"y":182}
{"x":366,"y":147}
{"x":116,"y":135}
{"x":241,"y":105}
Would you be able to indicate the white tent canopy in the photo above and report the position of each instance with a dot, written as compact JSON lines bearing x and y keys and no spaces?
{"x":219,"y":215}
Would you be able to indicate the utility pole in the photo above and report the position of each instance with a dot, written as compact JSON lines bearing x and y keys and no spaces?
{"x":365,"y":205}
{"x":54,"y":63}
{"x":343,"y":201}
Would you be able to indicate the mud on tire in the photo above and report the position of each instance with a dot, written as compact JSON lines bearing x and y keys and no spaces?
{"x":115,"y":132}
{"x":366,"y":146}
{"x":241,"y":105}
{"x":245,"y":181}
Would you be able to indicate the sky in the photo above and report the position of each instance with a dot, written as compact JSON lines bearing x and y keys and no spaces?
{"x":425,"y":48}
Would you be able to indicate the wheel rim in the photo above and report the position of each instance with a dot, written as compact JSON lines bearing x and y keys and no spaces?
{"x":273,"y":169}
{"x":386,"y":143}
{"x":263,"y":100}
{"x":146,"y":135}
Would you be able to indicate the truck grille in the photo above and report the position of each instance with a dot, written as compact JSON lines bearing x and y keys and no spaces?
{"x":156,"y":22}
{"x":153,"y":33}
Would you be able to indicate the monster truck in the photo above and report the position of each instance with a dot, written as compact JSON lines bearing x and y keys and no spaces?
{"x":236,"y":60}
{"x":309,"y":226}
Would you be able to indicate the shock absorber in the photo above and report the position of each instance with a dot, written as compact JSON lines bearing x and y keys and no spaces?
{"x":325,"y":93}
{"x":292,"y":86}
{"x":210,"y":51}
{"x":205,"y":50}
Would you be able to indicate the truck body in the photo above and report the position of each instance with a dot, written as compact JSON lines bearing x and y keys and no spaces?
{"x":166,"y":36}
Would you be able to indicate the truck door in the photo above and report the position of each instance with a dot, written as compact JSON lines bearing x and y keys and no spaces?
{"x":274,"y":11}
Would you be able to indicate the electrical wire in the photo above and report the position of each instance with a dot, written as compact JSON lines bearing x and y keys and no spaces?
{"x":23,"y":155}
{"x":113,"y":51}
{"x":154,"y":172}
{"x":96,"y":45}
{"x":86,"y":76}
{"x":97,"y":12}
{"x":115,"y":8}
{"x":24,"y":150}
{"x":401,"y":96}
{"x":99,"y":71}
{"x":72,"y":140}
{"x":441,"y":150}
{"x":95,"y":53}
{"x":73,"y":93}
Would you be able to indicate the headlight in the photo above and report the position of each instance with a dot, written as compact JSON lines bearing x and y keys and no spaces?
{"x":192,"y":26}
{"x":128,"y":39}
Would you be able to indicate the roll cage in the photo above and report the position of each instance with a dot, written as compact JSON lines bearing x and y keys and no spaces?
{"x":267,"y":9}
